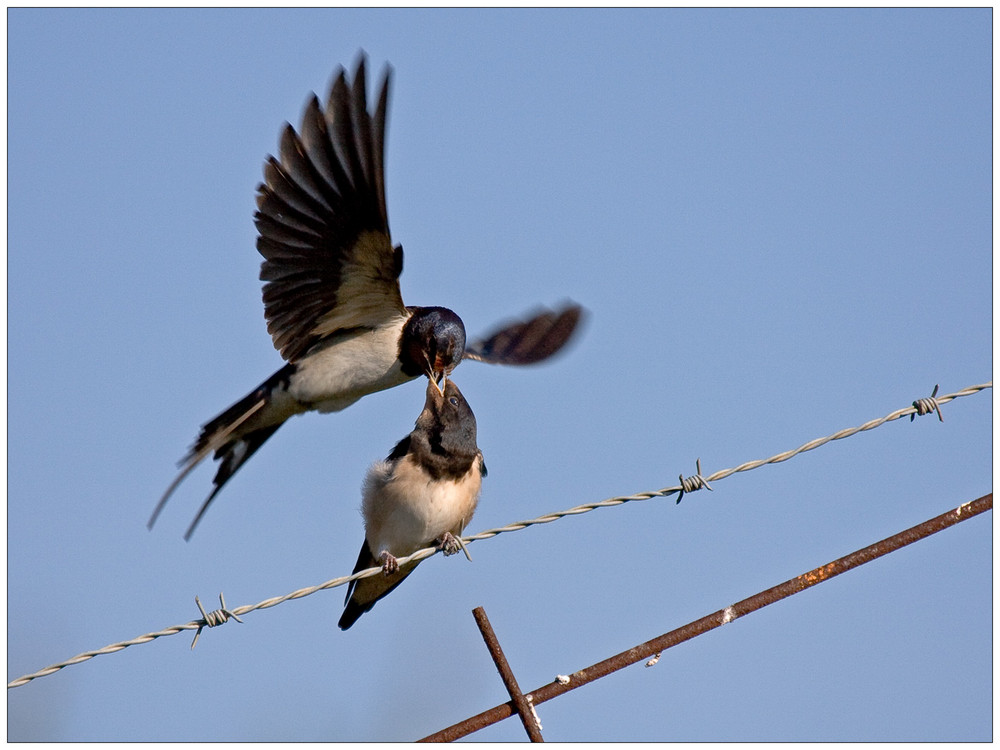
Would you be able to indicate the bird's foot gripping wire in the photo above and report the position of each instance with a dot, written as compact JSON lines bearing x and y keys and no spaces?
{"x":389,"y":564}
{"x":451,"y":544}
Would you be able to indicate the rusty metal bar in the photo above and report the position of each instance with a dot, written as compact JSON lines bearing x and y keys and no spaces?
{"x":507,"y":675}
{"x":723,"y":616}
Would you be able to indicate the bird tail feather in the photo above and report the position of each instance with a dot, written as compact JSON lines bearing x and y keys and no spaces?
{"x":227,"y":437}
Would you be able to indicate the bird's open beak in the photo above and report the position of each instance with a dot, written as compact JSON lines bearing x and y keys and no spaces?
{"x":437,"y":374}
{"x":440,"y":381}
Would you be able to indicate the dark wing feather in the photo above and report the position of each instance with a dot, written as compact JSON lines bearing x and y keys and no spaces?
{"x":529,"y":341}
{"x":328,"y":263}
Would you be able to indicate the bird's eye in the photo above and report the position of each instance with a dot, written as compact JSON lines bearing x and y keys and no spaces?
{"x":454,"y":401}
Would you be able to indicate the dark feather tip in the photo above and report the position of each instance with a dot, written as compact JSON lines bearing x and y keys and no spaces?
{"x":528,"y":342}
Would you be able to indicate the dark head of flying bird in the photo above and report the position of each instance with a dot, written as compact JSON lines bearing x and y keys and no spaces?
{"x":331,"y":288}
{"x":422,"y":495}
{"x":432,"y":343}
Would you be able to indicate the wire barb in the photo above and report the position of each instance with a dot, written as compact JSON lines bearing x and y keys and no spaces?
{"x":927,"y":405}
{"x":213,"y":618}
{"x":461,"y":543}
{"x":692,"y":483}
{"x":490,"y":533}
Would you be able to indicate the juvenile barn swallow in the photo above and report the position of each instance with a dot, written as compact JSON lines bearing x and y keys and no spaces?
{"x":423,"y":494}
{"x":331,"y":288}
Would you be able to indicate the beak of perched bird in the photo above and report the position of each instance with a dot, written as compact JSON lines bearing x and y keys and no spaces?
{"x":437,"y":375}
{"x":436,"y":369}
{"x":436,"y":388}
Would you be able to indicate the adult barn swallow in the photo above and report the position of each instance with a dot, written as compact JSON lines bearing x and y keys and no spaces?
{"x":331,"y":288}
{"x":423,"y":494}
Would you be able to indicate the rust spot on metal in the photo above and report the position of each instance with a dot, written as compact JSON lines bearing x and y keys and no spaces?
{"x":716,"y":619}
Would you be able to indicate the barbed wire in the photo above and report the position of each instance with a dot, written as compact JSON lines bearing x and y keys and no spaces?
{"x":692,"y":483}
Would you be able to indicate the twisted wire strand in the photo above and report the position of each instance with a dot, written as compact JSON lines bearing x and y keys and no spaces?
{"x":695,"y":482}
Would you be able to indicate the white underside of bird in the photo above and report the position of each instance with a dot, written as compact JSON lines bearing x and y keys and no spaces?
{"x":405,"y":509}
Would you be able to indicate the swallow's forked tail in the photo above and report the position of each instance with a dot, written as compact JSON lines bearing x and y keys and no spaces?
{"x":228,"y":437}
{"x":362,"y":593}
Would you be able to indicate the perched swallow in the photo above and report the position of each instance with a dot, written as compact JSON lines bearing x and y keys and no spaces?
{"x":331,"y":288}
{"x":423,"y":494}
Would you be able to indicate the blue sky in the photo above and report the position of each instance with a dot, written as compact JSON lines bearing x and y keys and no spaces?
{"x":780,"y":223}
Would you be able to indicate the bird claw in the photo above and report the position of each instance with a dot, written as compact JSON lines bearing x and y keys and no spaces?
{"x":449,"y":544}
{"x":389,"y":564}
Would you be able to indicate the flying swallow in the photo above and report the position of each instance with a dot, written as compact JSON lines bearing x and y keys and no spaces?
{"x":423,"y":494}
{"x":331,"y":288}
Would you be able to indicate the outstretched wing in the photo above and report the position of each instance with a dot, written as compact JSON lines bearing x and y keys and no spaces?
{"x":329,"y":263}
{"x":529,"y":341}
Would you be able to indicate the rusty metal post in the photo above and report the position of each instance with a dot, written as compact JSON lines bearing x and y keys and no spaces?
{"x":521,"y":703}
{"x":723,"y":616}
